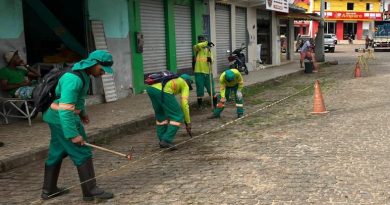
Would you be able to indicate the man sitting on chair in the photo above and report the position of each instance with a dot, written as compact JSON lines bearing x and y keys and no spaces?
{"x":16,"y":80}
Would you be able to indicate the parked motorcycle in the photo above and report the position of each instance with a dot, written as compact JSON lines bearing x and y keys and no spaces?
{"x":237,"y":60}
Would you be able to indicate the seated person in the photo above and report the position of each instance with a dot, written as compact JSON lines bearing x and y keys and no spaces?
{"x":15,"y":80}
{"x":309,"y":55}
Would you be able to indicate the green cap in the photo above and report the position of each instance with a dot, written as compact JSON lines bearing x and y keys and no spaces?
{"x":102,"y":57}
{"x":229,"y":75}
{"x":188,"y":79}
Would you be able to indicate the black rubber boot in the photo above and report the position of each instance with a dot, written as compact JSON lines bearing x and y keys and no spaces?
{"x":88,"y":186}
{"x":200,"y":103}
{"x":1,"y":144}
{"x":50,"y":189}
{"x":168,"y":145}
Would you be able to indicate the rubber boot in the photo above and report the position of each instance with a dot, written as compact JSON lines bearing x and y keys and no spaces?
{"x":200,"y":103}
{"x":88,"y":186}
{"x":161,"y":129}
{"x":168,"y":137}
{"x":50,"y":189}
{"x":1,"y":144}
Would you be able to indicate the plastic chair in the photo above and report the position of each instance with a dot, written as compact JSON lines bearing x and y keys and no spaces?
{"x":10,"y":105}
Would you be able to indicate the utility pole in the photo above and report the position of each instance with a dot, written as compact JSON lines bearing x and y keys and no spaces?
{"x":319,"y":40}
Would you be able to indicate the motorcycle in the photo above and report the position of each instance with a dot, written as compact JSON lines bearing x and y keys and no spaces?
{"x":237,"y":60}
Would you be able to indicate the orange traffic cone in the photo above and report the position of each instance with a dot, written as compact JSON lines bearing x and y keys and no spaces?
{"x":319,"y":106}
{"x":358,"y":72}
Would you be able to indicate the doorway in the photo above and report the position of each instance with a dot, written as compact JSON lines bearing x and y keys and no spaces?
{"x":53,"y":29}
{"x":349,"y":29}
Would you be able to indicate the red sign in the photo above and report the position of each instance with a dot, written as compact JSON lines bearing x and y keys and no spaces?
{"x":352,"y":15}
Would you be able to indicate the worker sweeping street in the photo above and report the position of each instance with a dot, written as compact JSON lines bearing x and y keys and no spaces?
{"x":66,"y":116}
{"x":231,"y":81}
{"x":202,"y":70}
{"x":168,"y":113}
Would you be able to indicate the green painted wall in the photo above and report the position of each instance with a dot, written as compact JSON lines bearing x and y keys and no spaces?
{"x":137,"y":59}
{"x":197,"y":12}
{"x":170,"y":34}
{"x":11,"y":19}
{"x":114,"y":15}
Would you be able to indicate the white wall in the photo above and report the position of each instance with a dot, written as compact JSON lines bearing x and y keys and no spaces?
{"x":252,"y":40}
{"x":275,"y":40}
{"x":213,"y":34}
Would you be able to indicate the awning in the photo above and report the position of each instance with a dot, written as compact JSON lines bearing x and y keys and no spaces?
{"x":300,"y":16}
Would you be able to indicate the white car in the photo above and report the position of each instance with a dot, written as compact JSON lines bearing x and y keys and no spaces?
{"x":333,"y":36}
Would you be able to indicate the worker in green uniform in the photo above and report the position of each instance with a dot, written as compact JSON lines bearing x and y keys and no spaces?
{"x":66,"y":117}
{"x":231,"y":81}
{"x":203,"y":75}
{"x":167,"y":110}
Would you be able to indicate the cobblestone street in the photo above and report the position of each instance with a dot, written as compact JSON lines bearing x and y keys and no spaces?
{"x":280,"y":155}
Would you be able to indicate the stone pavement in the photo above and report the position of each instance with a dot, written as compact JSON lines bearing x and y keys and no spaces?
{"x":24,"y":144}
{"x":280,"y":155}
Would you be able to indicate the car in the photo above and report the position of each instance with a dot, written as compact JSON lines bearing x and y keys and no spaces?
{"x":333,"y":36}
{"x":301,"y":40}
{"x":329,"y":43}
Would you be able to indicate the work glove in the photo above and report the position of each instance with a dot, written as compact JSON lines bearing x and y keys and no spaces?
{"x":239,"y":95}
{"x":209,"y":60}
{"x":210,"y":44}
{"x":220,"y":105}
{"x":222,"y":100}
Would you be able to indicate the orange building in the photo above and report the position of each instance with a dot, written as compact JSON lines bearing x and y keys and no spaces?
{"x":345,"y":17}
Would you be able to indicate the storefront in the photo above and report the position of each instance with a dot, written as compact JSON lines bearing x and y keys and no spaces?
{"x":264,"y":35}
{"x":345,"y":24}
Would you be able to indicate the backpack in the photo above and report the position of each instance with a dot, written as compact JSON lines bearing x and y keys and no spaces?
{"x":161,"y":77}
{"x":44,"y":93}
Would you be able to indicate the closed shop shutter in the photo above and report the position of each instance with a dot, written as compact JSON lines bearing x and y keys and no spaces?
{"x":153,"y":29}
{"x":183,"y":37}
{"x":222,"y":18}
{"x":241,"y":36}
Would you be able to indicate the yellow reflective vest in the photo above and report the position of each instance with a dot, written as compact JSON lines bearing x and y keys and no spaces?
{"x":202,"y":52}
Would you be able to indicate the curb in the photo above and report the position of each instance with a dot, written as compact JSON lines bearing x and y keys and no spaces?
{"x":105,"y":135}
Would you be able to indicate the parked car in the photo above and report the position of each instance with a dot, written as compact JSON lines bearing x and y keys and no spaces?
{"x":301,"y":40}
{"x":333,"y":36}
{"x":329,"y":43}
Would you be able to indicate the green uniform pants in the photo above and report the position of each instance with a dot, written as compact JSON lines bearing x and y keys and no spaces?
{"x":61,"y":147}
{"x":239,"y":102}
{"x":166,"y":108}
{"x":202,"y":80}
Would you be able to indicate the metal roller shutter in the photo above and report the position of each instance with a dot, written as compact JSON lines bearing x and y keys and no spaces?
{"x":241,"y":36}
{"x":183,"y":37}
{"x":222,"y":18}
{"x":153,"y":29}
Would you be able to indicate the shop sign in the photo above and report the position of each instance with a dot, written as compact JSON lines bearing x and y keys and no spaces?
{"x":352,"y":15}
{"x":277,"y":5}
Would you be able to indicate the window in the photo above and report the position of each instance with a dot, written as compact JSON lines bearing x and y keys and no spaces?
{"x":327,"y":5}
{"x":349,"y":6}
{"x":369,"y":6}
{"x":329,"y":27}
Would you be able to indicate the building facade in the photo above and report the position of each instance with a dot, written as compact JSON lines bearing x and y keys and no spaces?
{"x":144,"y":35}
{"x":342,"y":17}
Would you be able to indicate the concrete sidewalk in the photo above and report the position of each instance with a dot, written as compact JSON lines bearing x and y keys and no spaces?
{"x":24,"y":144}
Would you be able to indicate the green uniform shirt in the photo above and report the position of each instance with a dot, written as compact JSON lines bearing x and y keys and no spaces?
{"x":13,"y":76}
{"x":202,"y":52}
{"x":176,"y":86}
{"x":238,"y":80}
{"x":72,"y":91}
